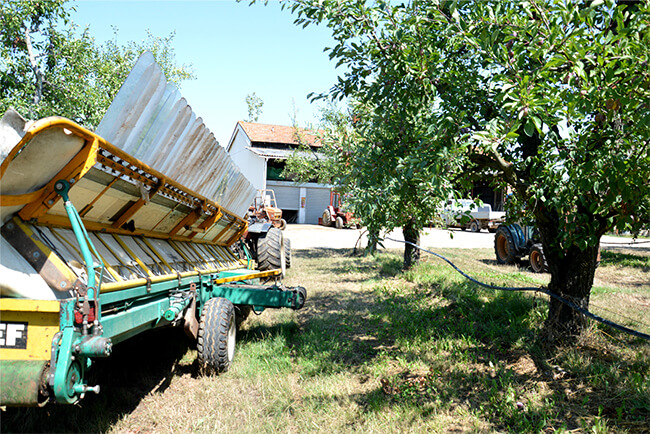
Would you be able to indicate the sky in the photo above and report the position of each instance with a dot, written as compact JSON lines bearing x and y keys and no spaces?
{"x":234,"y":50}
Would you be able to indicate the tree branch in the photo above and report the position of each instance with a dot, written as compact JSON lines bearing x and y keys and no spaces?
{"x":38,"y":94}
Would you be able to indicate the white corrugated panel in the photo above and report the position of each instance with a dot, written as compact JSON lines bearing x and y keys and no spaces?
{"x":287,"y":196}
{"x":151,"y":121}
{"x":318,"y":198}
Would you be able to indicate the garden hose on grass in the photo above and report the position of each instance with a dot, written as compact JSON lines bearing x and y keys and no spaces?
{"x":536,"y":289}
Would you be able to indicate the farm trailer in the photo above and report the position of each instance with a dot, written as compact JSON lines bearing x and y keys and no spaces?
{"x":464,"y":215}
{"x":98,"y":247}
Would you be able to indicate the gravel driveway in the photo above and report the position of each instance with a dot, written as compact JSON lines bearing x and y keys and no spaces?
{"x":315,"y":236}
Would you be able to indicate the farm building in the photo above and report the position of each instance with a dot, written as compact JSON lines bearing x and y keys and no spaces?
{"x":261,"y":150}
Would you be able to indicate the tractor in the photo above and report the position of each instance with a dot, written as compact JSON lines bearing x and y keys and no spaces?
{"x":264,"y":238}
{"x":265,"y":208}
{"x":513,"y":242}
{"x":335,"y":215}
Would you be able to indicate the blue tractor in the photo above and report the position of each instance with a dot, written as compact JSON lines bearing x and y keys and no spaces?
{"x":513,"y":242}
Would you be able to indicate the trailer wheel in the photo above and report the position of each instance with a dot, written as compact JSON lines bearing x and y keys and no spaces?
{"x":504,"y":246}
{"x":327,"y":219}
{"x":339,"y":223}
{"x":270,"y":251}
{"x":474,"y":226}
{"x":217,"y":335}
{"x":287,"y":252}
{"x":537,"y":259}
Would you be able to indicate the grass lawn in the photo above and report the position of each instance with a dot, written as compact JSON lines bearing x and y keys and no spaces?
{"x":376,"y":350}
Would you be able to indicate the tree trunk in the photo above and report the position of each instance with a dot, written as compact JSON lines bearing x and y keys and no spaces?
{"x":411,"y":234}
{"x":38,"y":74}
{"x":572,"y":276}
{"x":373,"y":240}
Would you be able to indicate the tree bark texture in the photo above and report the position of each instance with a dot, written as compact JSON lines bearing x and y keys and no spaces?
{"x":411,"y":234}
{"x":572,"y":276}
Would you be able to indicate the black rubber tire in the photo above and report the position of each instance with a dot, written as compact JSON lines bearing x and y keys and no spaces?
{"x":301,"y":296}
{"x":327,"y":219}
{"x":475,"y":226}
{"x":283,"y":224}
{"x":492,"y":230}
{"x":217,"y":335}
{"x":270,"y":251}
{"x":287,"y":252}
{"x":504,"y":247}
{"x":339,"y":223}
{"x":537,"y":259}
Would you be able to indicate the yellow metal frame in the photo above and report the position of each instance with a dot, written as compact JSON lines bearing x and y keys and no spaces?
{"x":42,"y":318}
{"x":255,"y":275}
{"x":133,"y":255}
{"x":66,"y":277}
{"x":39,"y":202}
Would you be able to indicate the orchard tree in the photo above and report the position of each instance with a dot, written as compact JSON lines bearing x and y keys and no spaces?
{"x":254,"y":105}
{"x":335,"y":163}
{"x":393,"y":167}
{"x":49,"y":71}
{"x":328,"y":165}
{"x":551,"y":96}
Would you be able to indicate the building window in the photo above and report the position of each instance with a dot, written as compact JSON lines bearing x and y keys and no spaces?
{"x":275,"y":170}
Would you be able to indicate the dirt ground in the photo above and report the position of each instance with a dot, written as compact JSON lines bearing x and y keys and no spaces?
{"x":314,"y":236}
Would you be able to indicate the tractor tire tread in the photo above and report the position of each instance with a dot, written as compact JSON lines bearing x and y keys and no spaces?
{"x":269,"y":250}
{"x":503,"y":235}
{"x":212,"y":343}
{"x":542,"y":266}
{"x":287,"y":252}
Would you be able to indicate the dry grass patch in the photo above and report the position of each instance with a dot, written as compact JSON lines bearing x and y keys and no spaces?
{"x":379,"y":350}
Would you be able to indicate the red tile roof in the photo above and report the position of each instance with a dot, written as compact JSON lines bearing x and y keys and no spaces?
{"x":264,"y":133}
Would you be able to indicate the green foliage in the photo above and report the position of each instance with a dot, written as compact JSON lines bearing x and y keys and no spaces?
{"x":254,"y":104}
{"x":336,"y":138}
{"x":547,"y":97}
{"x":570,"y":88}
{"x":550,"y":94}
{"x":49,"y":71}
{"x":386,"y":156}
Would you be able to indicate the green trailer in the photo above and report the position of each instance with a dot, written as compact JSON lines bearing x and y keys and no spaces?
{"x":98,"y":247}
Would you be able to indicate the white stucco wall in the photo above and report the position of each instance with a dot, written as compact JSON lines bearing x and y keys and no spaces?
{"x":251,"y":165}
{"x":308,"y":199}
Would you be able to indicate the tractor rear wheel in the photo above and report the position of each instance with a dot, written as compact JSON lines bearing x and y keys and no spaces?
{"x":217,"y":335}
{"x":537,"y":259}
{"x":327,"y":219}
{"x":270,"y":251}
{"x":287,"y":252}
{"x":504,"y":247}
{"x":339,"y":223}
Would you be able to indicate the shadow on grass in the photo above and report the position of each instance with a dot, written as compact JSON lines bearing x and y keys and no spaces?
{"x":610,"y":258}
{"x":480,"y":348}
{"x":143,"y":364}
{"x":383,"y":264}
